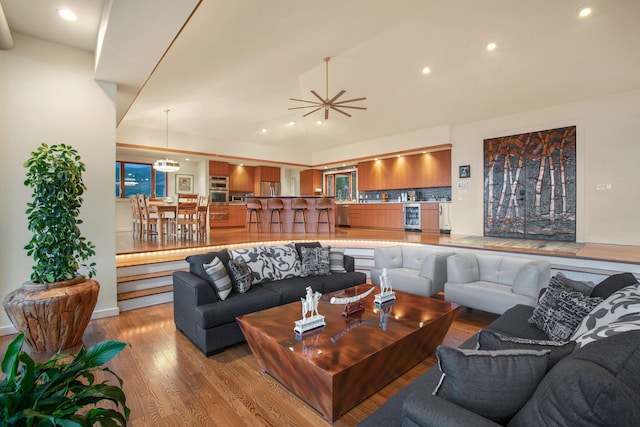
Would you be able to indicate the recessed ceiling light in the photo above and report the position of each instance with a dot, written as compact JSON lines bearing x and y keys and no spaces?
{"x":426,"y":70}
{"x":291,"y":123}
{"x":584,"y":11}
{"x":67,"y":14}
{"x":186,"y":160}
{"x":491,"y":46}
{"x":319,"y":122}
{"x":265,"y":130}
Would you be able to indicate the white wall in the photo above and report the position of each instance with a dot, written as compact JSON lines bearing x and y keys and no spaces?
{"x":49,"y":95}
{"x":608,"y":151}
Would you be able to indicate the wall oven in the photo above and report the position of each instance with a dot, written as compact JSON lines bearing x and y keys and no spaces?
{"x":218,"y":189}
{"x":218,"y":196}
{"x":412,"y":220}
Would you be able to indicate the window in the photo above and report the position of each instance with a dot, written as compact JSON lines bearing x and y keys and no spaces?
{"x":139,"y":178}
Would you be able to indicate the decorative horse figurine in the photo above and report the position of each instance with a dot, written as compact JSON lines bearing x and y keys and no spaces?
{"x":310,"y":303}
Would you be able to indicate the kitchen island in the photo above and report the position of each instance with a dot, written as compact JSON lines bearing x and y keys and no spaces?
{"x":286,"y":215}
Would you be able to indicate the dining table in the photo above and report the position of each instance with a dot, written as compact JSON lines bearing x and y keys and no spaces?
{"x":165,"y":213}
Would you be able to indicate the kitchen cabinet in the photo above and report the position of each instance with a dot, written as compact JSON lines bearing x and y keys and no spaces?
{"x":310,"y":179}
{"x":267,"y":173}
{"x":218,"y":168}
{"x":241,"y":178}
{"x":227,"y":216}
{"x":376,"y":215}
{"x":237,"y":215}
{"x":430,"y":217}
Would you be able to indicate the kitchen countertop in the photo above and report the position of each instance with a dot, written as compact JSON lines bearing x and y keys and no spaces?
{"x":378,"y":202}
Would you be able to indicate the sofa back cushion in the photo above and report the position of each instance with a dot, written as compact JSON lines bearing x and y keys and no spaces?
{"x":388,"y":257}
{"x":413,"y":256}
{"x":500,"y":269}
{"x":285,"y":260}
{"x":463,"y":268}
{"x":599,"y":384}
{"x":197,"y":262}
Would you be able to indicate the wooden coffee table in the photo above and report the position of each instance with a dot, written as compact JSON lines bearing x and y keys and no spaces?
{"x":335,"y":368}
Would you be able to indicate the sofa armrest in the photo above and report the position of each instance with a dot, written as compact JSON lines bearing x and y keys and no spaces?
{"x":434,"y":268}
{"x":192,"y":289}
{"x":531,"y":278}
{"x":421,"y":408}
{"x":349,"y":263}
{"x":463,"y":268}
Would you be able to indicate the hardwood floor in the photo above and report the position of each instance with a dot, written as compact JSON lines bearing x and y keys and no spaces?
{"x":168,"y":382}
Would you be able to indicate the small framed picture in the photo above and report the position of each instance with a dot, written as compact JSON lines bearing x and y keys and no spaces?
{"x":184,"y":184}
{"x":465,"y":171}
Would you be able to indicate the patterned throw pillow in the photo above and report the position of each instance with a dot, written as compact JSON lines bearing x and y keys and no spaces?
{"x":624,"y":302}
{"x":315,"y":261}
{"x":630,"y":322}
{"x":284,"y":260}
{"x":489,"y":340}
{"x":258,"y":261}
{"x":336,"y":261}
{"x":240,"y":275}
{"x":219,"y":277}
{"x":560,"y":310}
{"x":494,"y":384}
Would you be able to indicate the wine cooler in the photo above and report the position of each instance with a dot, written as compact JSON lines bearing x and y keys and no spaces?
{"x":412,"y":217}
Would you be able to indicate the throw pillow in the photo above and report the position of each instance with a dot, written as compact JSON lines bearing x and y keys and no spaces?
{"x":493,"y":384}
{"x":577,"y":285}
{"x":315,"y":261}
{"x":336,"y":261}
{"x":630,"y":322}
{"x":285,"y":261}
{"x":258,"y":261}
{"x":219,"y":277}
{"x":489,"y":340}
{"x":240,"y":275}
{"x":624,"y":302}
{"x":560,"y":310}
{"x":612,"y":284}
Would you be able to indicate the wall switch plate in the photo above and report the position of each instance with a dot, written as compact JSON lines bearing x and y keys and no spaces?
{"x":599,"y":187}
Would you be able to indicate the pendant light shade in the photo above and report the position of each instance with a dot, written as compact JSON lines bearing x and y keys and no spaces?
{"x":166,"y":164}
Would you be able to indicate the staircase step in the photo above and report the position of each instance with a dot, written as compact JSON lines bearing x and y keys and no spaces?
{"x":144,"y":292}
{"x":134,"y":277}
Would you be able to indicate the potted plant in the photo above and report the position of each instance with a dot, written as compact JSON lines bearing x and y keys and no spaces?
{"x":62,"y":391}
{"x":54,"y":308}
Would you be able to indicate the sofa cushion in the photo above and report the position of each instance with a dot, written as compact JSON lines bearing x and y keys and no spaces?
{"x":597,"y":385}
{"x":219,"y":277}
{"x":413,"y":256}
{"x":630,"y":322}
{"x":612,"y":284}
{"x":489,"y":340}
{"x":258,"y":261}
{"x":388,"y":257}
{"x":336,"y":260}
{"x":197,"y":262}
{"x":315,"y":261}
{"x":494,"y":384}
{"x":293,"y":288}
{"x":500,"y":269}
{"x":577,"y":285}
{"x":560,"y":310}
{"x":621,"y":303}
{"x":285,"y":261}
{"x":300,"y":245}
{"x":514,"y":322}
{"x":240,"y":275}
{"x":337,"y":282}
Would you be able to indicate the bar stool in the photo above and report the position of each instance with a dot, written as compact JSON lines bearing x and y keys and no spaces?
{"x":299,"y":206}
{"x":253,"y":207}
{"x":274,"y":206}
{"x":322,"y":206}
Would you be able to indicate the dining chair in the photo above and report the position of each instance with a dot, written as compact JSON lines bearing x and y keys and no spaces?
{"x":148,"y":220}
{"x":186,"y":224}
{"x":135,"y":215}
{"x":203,"y":214}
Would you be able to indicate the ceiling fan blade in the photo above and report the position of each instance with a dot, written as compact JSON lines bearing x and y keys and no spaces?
{"x":349,"y":106}
{"x":303,"y":100}
{"x":337,"y":96}
{"x":318,"y":96}
{"x":305,"y":106}
{"x":340,"y":111}
{"x":351,"y":100}
{"x":311,"y":112}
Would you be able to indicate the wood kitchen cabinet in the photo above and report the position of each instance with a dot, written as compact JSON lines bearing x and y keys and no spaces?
{"x":218,"y":168}
{"x":430,"y":217}
{"x":227,"y":216}
{"x":310,"y":179}
{"x":241,"y":178}
{"x":237,"y":215}
{"x":267,"y":173}
{"x":376,"y":215}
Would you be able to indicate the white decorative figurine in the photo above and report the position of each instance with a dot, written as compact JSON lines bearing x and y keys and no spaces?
{"x":310,"y":307}
{"x":386,"y":293}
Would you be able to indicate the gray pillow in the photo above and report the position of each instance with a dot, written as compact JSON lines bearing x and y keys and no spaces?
{"x":240,"y":275}
{"x":336,"y":261}
{"x":258,"y":261}
{"x":219,"y":277}
{"x":560,"y":310}
{"x":493,"y":384}
{"x":488,"y":340}
{"x":315,"y":261}
{"x":577,"y":285}
{"x":613,"y":283}
{"x":285,"y":261}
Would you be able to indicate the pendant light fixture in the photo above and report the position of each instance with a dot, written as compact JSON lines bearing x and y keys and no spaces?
{"x":166,"y":164}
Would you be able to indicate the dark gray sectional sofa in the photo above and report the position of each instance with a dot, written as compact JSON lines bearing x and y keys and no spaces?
{"x":210,"y":323}
{"x":597,"y":384}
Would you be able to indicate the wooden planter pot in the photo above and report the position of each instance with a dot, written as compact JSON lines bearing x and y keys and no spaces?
{"x":52,"y":316}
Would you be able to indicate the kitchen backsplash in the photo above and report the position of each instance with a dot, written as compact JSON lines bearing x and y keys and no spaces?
{"x":421,"y":194}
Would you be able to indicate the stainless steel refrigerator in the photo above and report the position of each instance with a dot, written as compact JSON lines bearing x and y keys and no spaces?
{"x":269,"y":189}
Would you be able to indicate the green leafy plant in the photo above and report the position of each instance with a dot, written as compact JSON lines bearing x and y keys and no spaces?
{"x":61,"y":391}
{"x":55,"y":175}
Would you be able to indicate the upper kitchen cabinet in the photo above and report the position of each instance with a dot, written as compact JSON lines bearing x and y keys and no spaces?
{"x":218,"y":168}
{"x":267,"y":173}
{"x":241,"y":178}
{"x":414,"y":171}
{"x":310,"y":179}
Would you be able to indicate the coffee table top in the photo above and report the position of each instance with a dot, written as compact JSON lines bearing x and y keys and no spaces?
{"x":345,"y":341}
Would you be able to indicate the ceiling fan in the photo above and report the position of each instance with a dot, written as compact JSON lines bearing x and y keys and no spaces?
{"x":326,"y":103}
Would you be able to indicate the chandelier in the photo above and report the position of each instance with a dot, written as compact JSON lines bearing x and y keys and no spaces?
{"x":166,"y":164}
{"x":327,"y":103}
